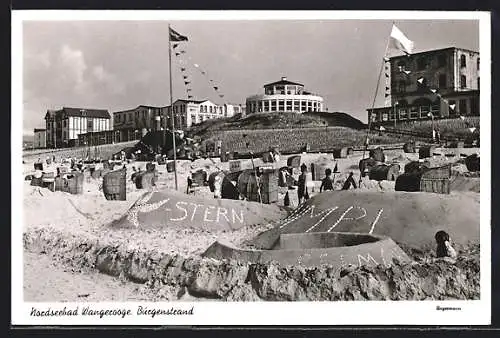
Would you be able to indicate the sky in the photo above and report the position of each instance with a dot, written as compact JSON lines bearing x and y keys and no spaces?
{"x":118,"y":65}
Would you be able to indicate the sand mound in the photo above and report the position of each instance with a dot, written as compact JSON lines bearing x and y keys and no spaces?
{"x":462,"y":183}
{"x":408,"y":218}
{"x":168,"y":208}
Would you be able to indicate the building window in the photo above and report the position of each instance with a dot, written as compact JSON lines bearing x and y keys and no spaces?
{"x":281,"y":105}
{"x":442,"y":81}
{"x":463,"y":81}
{"x":463,"y":107}
{"x":413,"y":113}
{"x":384,"y":117}
{"x":474,"y":104}
{"x":442,"y":60}
{"x":402,"y":114}
{"x":421,"y":63}
{"x":401,"y":87}
{"x":462,"y":61}
{"x":273,"y":105}
{"x":266,"y":106}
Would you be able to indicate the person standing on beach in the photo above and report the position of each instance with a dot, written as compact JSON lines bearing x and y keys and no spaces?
{"x":327,"y":182}
{"x":303,"y":194}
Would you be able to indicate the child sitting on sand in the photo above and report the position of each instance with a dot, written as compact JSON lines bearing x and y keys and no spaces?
{"x":444,"y":248}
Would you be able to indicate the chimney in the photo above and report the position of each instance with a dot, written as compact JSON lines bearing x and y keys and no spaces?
{"x":283,"y":78}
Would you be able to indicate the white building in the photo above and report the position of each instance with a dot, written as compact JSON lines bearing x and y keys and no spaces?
{"x":284,"y":96}
{"x":189,"y":112}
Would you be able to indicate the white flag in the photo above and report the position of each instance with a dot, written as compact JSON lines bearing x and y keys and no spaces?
{"x":407,"y":71}
{"x":472,"y":129}
{"x":452,"y":106}
{"x":382,"y":128}
{"x":400,"y":41}
{"x":420,"y":80}
{"x":434,"y":91}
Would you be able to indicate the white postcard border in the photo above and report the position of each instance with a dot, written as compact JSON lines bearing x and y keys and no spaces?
{"x":476,"y":312}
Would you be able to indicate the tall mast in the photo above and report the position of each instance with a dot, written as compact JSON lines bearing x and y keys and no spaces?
{"x":171,"y":107}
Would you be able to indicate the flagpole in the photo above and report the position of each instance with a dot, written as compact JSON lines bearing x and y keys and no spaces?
{"x":172,"y":108}
{"x":373,"y":103}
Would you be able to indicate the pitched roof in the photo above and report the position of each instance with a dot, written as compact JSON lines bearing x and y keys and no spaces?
{"x":97,"y":113}
{"x":283,"y":82}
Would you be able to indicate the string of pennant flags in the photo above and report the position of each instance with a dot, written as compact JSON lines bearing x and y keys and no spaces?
{"x":183,"y":62}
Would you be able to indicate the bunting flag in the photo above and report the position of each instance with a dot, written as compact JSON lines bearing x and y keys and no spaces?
{"x":184,"y":77}
{"x":336,"y":169}
{"x":407,"y":72}
{"x":188,"y":89}
{"x":387,"y":88}
{"x":187,"y":82}
{"x":183,"y":52}
{"x":381,"y":128}
{"x":386,"y":75}
{"x":461,"y":117}
{"x":183,"y":69}
{"x":216,"y":88}
{"x":420,"y":80}
{"x":177,"y":54}
{"x":175,"y":45}
{"x":452,"y":106}
{"x":221,"y":96}
{"x":203,"y":72}
{"x":399,"y":41}
{"x":434,"y":91}
{"x":174,"y":36}
{"x":386,"y":59}
{"x":472,"y":129}
{"x":190,"y":96}
{"x":386,"y":94}
{"x":196,"y":65}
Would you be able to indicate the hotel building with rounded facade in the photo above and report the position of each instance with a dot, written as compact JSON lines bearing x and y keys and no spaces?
{"x":284,"y":96}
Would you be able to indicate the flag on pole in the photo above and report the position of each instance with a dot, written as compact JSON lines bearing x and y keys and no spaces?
{"x":400,"y":41}
{"x":174,"y":36}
